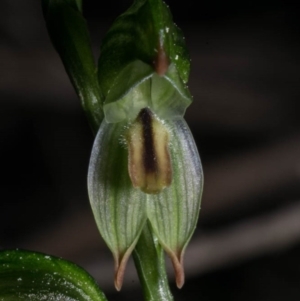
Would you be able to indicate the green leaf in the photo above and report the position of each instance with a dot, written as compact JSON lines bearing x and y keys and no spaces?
{"x":142,"y":44}
{"x":33,"y":276}
{"x":69,"y":34}
{"x":173,"y":213}
{"x":119,"y":209}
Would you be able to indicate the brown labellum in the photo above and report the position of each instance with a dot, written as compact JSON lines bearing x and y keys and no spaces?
{"x":149,"y":162}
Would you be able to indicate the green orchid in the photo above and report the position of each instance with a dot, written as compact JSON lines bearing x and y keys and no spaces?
{"x":144,"y":164}
{"x":165,"y":186}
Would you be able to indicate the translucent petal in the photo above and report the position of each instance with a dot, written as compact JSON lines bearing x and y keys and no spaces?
{"x":119,"y":209}
{"x":173,"y":213}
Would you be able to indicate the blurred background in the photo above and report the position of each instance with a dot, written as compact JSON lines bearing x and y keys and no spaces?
{"x":245,"y":119}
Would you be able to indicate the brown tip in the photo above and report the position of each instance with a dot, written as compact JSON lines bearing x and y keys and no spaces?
{"x":178,"y":269}
{"x":120,"y":266}
{"x":161,"y":62}
{"x":119,"y":276}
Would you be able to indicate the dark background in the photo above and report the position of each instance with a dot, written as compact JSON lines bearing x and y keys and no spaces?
{"x":245,"y":119}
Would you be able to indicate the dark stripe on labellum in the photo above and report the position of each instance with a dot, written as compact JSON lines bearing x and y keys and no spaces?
{"x":149,"y":157}
{"x":149,"y":163}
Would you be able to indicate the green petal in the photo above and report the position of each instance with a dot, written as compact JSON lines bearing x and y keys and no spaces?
{"x":120,"y":105}
{"x":34,"y":276}
{"x":69,"y":34}
{"x":119,"y":209}
{"x":145,"y":35}
{"x":169,"y":95}
{"x":173,"y":213}
{"x":166,"y":95}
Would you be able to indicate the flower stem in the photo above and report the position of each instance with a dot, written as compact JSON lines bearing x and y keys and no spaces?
{"x":150,"y":264}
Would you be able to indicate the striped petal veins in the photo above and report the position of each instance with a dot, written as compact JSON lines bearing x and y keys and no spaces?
{"x":145,"y":169}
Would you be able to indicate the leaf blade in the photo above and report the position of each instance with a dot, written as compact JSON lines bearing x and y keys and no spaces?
{"x":34,"y":276}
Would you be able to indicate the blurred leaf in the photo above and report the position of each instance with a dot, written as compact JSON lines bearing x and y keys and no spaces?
{"x":69,"y":34}
{"x":76,"y":4}
{"x":33,"y":276}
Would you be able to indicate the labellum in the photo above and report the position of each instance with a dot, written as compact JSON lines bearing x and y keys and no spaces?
{"x":149,"y":163}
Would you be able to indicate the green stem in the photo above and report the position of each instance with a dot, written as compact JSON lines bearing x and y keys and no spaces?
{"x":69,"y":33}
{"x":150,"y":264}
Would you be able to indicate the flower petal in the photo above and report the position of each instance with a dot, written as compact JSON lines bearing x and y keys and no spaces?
{"x":119,"y":209}
{"x":173,"y":212}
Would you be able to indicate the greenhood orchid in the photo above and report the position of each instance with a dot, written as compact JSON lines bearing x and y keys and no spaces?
{"x":164,"y":187}
{"x":144,"y":164}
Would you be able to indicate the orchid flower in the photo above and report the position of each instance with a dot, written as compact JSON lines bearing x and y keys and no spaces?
{"x":144,"y":164}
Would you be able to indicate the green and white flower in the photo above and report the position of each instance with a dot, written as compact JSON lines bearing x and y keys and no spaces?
{"x":145,"y":169}
{"x":144,"y":163}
